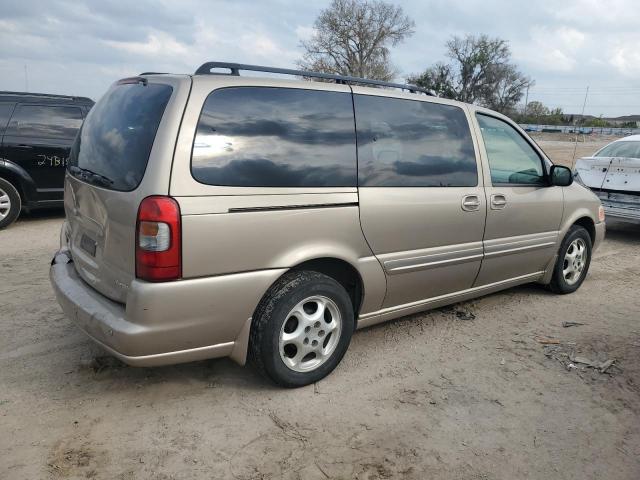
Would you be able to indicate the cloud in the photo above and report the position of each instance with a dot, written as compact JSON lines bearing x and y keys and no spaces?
{"x":79,"y":48}
{"x":157,"y":43}
{"x":304,"y":32}
{"x":626,"y":59}
{"x":553,"y":49}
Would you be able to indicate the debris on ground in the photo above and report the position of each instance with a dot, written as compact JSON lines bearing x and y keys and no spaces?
{"x":566,"y":356}
{"x":572,"y":324}
{"x":602,"y":366}
{"x":99,"y":364}
{"x":547,"y":340}
{"x":464,"y":315}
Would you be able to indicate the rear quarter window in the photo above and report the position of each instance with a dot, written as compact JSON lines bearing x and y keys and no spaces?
{"x":412,"y":143}
{"x":114,"y":144}
{"x":275,"y":137}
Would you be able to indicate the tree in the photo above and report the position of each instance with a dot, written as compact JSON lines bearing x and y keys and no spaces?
{"x":536,"y":110}
{"x":479,"y":71}
{"x":352,"y":37}
{"x":596,"y":122}
{"x":437,"y":78}
{"x":508,"y":89}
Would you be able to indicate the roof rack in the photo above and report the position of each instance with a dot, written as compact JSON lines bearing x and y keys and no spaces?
{"x":44,"y":95}
{"x":234,"y":69}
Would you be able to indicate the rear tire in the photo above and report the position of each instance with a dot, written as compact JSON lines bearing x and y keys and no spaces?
{"x":10,"y":203}
{"x":572,"y":265}
{"x":301,"y":329}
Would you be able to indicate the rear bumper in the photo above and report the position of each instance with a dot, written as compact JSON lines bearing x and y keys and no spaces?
{"x":622,"y":212}
{"x":164,"y":323}
{"x":620,"y":205}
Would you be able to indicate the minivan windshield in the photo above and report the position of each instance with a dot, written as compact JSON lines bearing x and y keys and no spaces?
{"x":113,"y":146}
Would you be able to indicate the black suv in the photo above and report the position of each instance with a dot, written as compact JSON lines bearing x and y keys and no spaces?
{"x":36,"y":133}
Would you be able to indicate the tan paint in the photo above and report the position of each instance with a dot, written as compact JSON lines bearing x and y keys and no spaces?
{"x":414,"y":248}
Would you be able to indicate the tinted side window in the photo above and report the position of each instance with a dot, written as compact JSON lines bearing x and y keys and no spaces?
{"x":410,"y":143}
{"x":5,"y":115}
{"x":511,"y":158}
{"x":275,"y":137}
{"x":45,"y":121}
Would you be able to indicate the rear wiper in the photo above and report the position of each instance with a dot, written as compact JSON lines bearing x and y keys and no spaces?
{"x":106,"y":181}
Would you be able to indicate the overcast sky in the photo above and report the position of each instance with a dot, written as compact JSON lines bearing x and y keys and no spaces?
{"x":79,"y":48}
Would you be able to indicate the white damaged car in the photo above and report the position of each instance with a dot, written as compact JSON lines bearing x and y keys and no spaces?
{"x":613,"y":173}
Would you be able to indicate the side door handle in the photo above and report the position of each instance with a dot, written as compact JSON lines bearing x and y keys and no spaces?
{"x":26,"y":147}
{"x":471,"y":203}
{"x":498,"y":201}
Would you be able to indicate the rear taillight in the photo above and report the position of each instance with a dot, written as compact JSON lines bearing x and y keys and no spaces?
{"x":158,"y":240}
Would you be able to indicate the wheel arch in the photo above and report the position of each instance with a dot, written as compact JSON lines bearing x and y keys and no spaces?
{"x":20,"y":179}
{"x":342,"y":271}
{"x":581,"y":218}
{"x":589,"y":225}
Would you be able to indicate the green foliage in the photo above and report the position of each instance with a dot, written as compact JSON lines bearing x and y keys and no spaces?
{"x":537,"y":112}
{"x":597,"y":122}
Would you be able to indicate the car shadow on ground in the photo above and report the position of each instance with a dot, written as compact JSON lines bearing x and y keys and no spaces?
{"x":41,"y":214}
{"x":100,"y":367}
{"x":623,"y":231}
{"x":224,"y":373}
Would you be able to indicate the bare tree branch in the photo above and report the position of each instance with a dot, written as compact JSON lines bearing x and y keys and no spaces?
{"x":352,"y":37}
{"x":480,"y":71}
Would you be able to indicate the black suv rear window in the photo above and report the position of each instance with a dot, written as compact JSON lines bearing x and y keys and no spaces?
{"x":275,"y":137}
{"x":5,"y":114}
{"x":114,"y":144}
{"x":45,"y":121}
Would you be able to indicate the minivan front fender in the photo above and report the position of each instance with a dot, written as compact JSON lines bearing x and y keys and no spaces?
{"x":581,"y":206}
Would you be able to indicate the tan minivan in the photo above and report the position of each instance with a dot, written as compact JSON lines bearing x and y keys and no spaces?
{"x":214,"y":215}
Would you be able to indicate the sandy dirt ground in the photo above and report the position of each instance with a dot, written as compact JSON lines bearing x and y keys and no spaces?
{"x":465,"y":392}
{"x":565,"y":150}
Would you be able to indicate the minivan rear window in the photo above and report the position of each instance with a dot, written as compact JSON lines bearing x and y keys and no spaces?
{"x":275,"y":137}
{"x":113,"y":147}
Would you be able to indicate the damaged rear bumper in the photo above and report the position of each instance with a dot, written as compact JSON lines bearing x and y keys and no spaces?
{"x":164,"y":323}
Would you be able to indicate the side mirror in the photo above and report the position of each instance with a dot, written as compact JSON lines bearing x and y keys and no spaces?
{"x":560,"y":176}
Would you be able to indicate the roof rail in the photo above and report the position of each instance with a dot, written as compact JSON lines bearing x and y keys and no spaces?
{"x":43,"y":95}
{"x":234,"y":69}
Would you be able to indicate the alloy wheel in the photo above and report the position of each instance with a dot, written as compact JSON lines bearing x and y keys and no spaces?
{"x":310,"y":333}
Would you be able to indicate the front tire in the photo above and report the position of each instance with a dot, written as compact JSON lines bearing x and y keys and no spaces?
{"x":10,"y":203}
{"x":301,"y":329}
{"x":573,"y":261}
